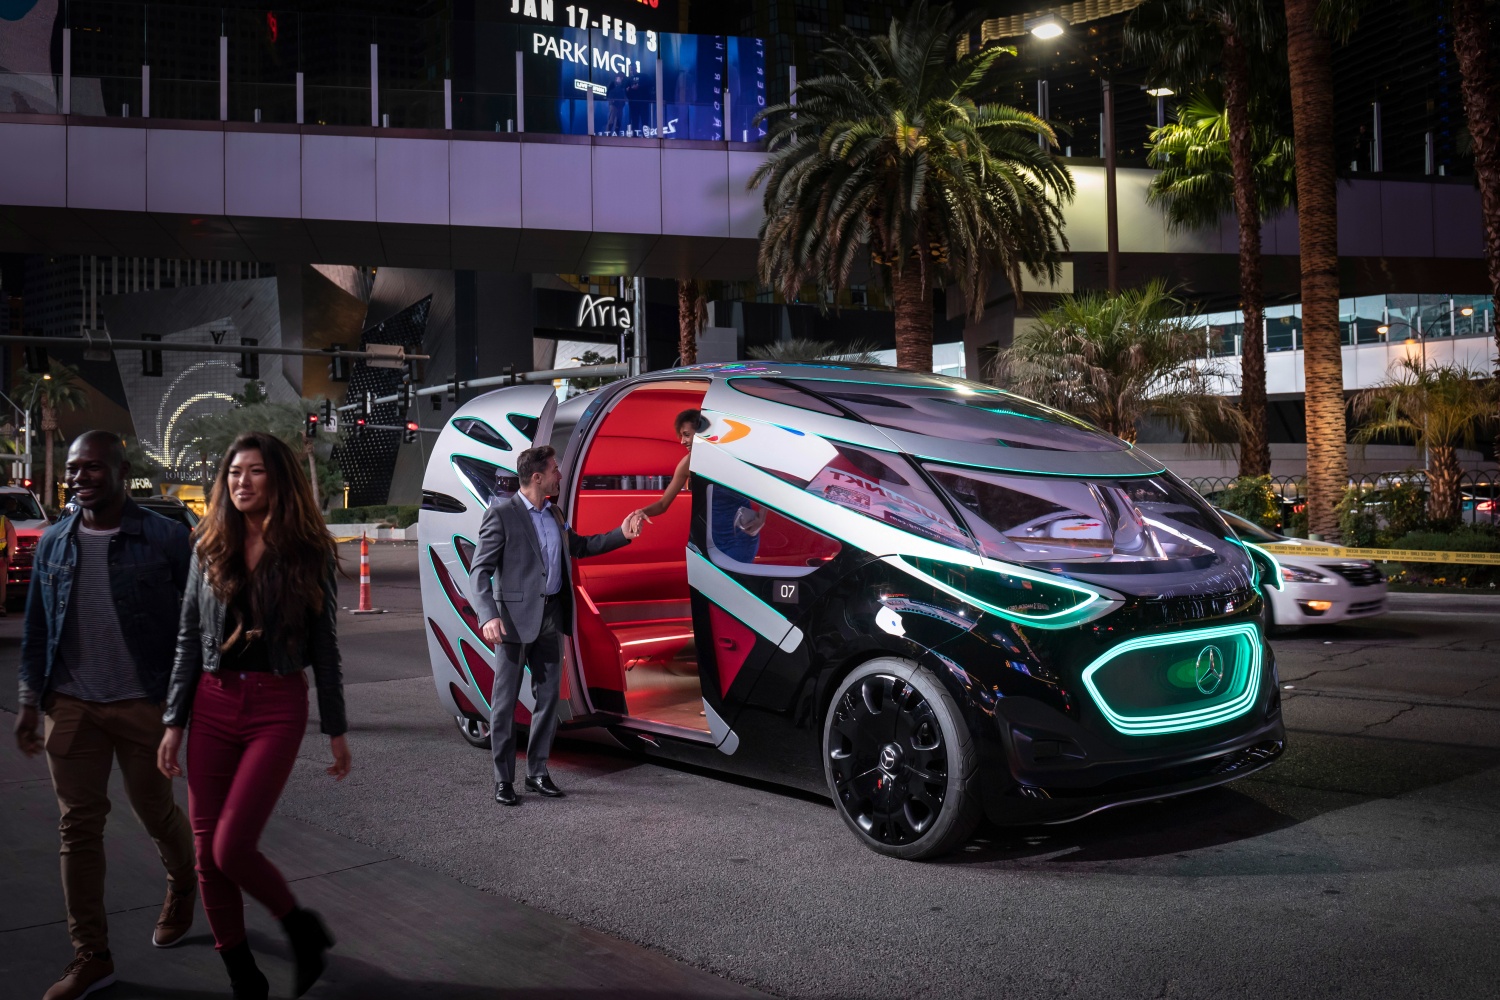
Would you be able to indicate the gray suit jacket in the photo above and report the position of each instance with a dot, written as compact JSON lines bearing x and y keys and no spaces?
{"x":507,"y":578}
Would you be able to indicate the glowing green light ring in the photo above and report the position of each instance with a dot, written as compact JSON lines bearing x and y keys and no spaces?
{"x":1180,"y":722}
{"x":1067,"y":618}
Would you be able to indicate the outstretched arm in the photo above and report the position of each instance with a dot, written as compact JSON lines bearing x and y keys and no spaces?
{"x":679,"y":480}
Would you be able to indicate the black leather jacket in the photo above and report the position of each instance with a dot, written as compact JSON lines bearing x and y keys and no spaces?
{"x":200,"y":634}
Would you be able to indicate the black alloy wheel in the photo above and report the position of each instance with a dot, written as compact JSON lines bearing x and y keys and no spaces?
{"x":476,"y":732}
{"x":900,"y":761}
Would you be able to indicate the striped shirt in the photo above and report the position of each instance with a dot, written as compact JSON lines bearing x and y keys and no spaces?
{"x":93,"y":662}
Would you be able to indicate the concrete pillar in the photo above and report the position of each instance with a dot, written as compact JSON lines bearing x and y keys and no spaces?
{"x":996,"y":328}
{"x":493,"y":323}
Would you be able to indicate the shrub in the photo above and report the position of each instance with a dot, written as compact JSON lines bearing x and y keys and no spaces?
{"x":1358,"y":520}
{"x":1404,"y":509}
{"x":397,"y":515}
{"x":1470,"y":538}
{"x":1252,"y":498}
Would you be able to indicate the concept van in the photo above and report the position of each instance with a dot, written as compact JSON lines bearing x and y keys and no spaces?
{"x":921,"y":596}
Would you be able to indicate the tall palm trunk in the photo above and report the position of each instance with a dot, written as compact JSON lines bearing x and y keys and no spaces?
{"x":1255,"y":449}
{"x":1471,"y":42}
{"x":49,"y":436}
{"x":913,"y":307}
{"x":1443,"y":474}
{"x":689,"y":305}
{"x":1310,"y":59}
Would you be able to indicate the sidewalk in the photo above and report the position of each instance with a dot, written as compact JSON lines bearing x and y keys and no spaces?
{"x":403,"y":931}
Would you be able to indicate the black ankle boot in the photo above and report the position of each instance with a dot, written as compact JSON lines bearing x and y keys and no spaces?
{"x":309,"y":940}
{"x":246,"y":982}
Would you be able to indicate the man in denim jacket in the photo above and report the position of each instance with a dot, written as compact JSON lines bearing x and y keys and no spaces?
{"x":101,"y":630}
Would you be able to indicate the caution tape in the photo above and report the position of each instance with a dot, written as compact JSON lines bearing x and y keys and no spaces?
{"x":1389,"y":555}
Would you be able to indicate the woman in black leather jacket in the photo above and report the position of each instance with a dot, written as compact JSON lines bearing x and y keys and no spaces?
{"x":260,"y":607}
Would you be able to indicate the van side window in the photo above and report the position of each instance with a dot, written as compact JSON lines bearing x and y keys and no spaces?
{"x":782,"y":392}
{"x":748,"y":538}
{"x":884,"y":486}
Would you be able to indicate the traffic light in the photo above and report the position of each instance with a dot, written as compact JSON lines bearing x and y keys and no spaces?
{"x":36,"y":355}
{"x":312,"y":426}
{"x":327,"y":413}
{"x":359,"y":425}
{"x":151,"y":360}
{"x":410,"y":434}
{"x":249,"y":366}
{"x":453,"y":388}
{"x":407,"y":399}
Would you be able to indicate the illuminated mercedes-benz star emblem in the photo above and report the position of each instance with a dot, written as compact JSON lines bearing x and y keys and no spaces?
{"x":888,"y":757}
{"x":1208,"y":672}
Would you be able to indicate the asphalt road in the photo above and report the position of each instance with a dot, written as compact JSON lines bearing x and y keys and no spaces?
{"x":1364,"y":863}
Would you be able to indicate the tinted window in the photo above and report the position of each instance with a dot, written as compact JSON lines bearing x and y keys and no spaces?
{"x":526,"y":425}
{"x":1249,"y":529}
{"x":781,"y":392}
{"x":961,"y":412}
{"x":747,"y":537}
{"x":489,"y":482}
{"x":482,"y":432}
{"x":20,"y":507}
{"x":885,"y":487}
{"x":1152,"y":519}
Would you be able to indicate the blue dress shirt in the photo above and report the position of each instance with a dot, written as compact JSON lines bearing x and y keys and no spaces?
{"x":550,"y":536}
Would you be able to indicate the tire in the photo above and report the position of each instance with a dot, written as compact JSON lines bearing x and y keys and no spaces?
{"x":1273,"y":629}
{"x":476,"y":732}
{"x":900,"y":761}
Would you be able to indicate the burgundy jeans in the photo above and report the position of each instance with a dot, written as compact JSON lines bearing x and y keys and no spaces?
{"x":243,"y":740}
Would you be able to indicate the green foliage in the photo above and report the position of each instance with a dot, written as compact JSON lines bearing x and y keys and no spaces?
{"x":1118,"y":359}
{"x":888,"y":152}
{"x":1359,"y":524}
{"x":1468,"y":538}
{"x":398,"y":515}
{"x":1404,"y":510}
{"x":1196,"y":184}
{"x":211,"y":435}
{"x":1436,"y":405}
{"x":803,"y":349}
{"x":1252,"y":498}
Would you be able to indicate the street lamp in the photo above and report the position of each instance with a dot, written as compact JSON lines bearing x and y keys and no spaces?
{"x":26,"y":412}
{"x":1046,"y":26}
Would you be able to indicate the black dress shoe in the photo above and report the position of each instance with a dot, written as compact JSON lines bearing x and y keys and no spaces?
{"x":544,"y":786}
{"x":505,"y":794}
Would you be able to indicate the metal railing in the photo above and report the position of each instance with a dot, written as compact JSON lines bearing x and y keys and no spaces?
{"x":1479,"y":490}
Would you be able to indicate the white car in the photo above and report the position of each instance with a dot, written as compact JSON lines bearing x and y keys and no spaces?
{"x":1315,"y":589}
{"x":20,"y":505}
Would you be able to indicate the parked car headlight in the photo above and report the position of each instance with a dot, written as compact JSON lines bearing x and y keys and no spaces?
{"x":1296,"y":574}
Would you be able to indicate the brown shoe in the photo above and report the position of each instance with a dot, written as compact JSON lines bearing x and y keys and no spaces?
{"x":176,"y":917}
{"x":85,"y":974}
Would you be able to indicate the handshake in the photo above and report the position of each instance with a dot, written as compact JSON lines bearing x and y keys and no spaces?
{"x":631,"y":526}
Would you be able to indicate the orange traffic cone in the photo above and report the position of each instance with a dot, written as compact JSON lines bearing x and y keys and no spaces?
{"x":365,"y":607}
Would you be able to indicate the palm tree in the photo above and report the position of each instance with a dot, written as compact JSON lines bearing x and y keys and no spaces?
{"x":1441,"y":408}
{"x":56,"y":390}
{"x":1189,"y":40}
{"x":1309,"y":46}
{"x":692,"y":317}
{"x":1116,"y":360}
{"x":802,"y":349}
{"x":889,"y":153}
{"x":1473,"y":46}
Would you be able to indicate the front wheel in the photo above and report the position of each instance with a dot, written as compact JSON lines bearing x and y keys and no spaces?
{"x":476,"y":732}
{"x":900,"y":761}
{"x":1274,"y":629}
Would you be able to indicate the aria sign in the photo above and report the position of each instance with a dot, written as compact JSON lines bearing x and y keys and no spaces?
{"x":595,"y":311}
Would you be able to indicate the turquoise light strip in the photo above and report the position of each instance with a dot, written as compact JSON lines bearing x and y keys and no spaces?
{"x":1181,"y":722}
{"x":1066,"y":618}
{"x":1276,"y":580}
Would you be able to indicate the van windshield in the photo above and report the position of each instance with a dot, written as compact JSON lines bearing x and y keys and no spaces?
{"x":1148,"y":523}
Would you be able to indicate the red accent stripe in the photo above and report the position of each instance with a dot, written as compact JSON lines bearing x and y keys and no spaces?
{"x":447,"y":648}
{"x":456,"y":596}
{"x":464,"y":704}
{"x":484,"y":676}
{"x":733,"y":643}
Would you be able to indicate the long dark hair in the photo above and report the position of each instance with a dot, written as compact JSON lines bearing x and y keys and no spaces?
{"x":289,"y":577}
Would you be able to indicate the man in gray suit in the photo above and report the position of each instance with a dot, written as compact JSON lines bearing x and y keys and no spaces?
{"x":521,"y":589}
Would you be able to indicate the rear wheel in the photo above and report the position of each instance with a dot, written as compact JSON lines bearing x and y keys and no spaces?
{"x":900,"y":761}
{"x":476,"y":732}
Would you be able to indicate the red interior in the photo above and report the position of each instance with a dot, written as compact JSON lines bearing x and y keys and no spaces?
{"x":633,"y":609}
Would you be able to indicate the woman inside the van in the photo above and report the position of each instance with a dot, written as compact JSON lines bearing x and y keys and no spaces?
{"x":736,"y":520}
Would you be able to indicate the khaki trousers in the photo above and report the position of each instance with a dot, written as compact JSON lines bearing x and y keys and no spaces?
{"x":83,"y":740}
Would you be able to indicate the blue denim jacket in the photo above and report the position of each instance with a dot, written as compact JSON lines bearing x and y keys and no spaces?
{"x":148,"y":570}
